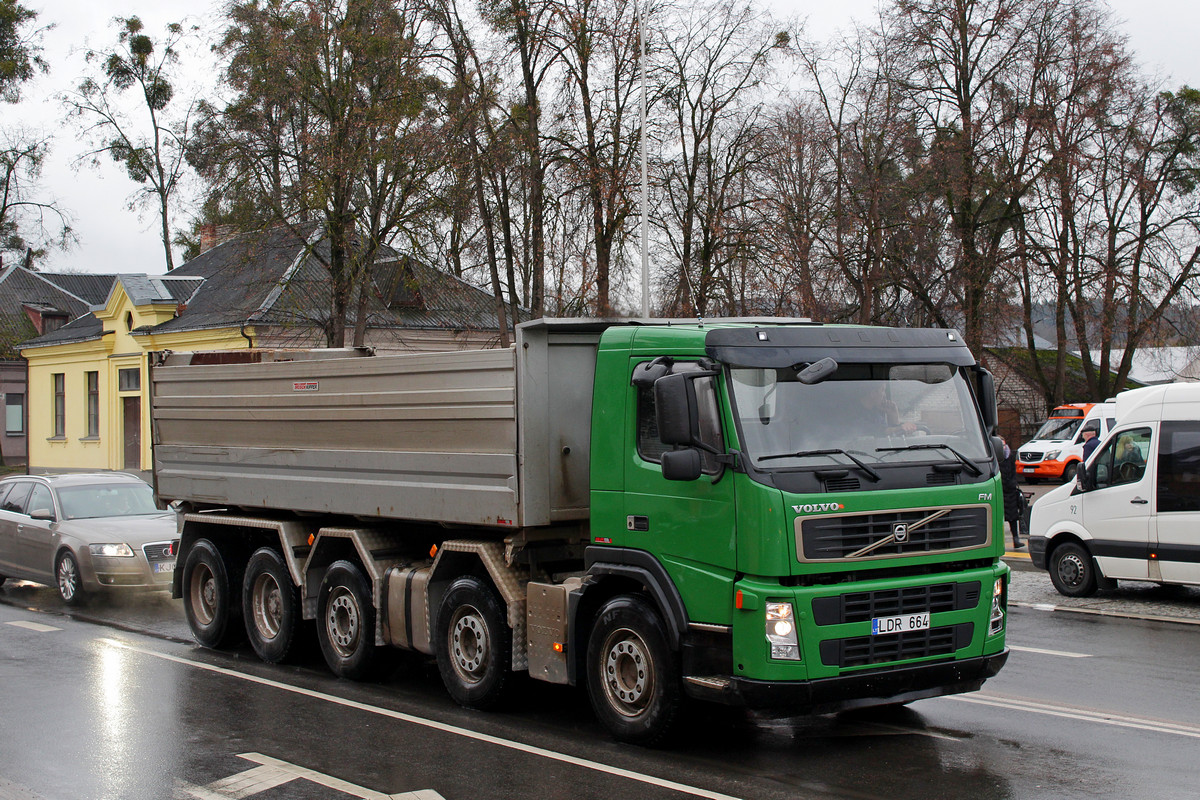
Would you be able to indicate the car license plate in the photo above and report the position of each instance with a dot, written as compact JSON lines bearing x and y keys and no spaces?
{"x":901,"y":624}
{"x":164,"y":566}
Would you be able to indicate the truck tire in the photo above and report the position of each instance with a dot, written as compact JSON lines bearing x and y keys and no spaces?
{"x":209,"y":596}
{"x":270,"y":606}
{"x":346,"y":621}
{"x":1073,"y":570}
{"x":633,"y":676}
{"x":473,"y":644}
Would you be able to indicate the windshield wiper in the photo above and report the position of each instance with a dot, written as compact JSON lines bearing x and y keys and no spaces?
{"x":969,"y":464}
{"x":832,"y":452}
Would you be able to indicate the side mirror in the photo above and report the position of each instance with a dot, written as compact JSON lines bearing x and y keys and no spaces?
{"x":987,"y":400}
{"x":44,"y":514}
{"x":675,"y":409}
{"x":681,"y":465}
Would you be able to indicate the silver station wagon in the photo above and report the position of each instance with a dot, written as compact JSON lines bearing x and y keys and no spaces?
{"x":85,"y":533}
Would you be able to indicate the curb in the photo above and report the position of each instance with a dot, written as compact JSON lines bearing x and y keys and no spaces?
{"x":1097,"y":612}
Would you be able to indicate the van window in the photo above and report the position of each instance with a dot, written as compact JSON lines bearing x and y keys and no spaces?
{"x":1179,"y":467}
{"x":1123,"y":459}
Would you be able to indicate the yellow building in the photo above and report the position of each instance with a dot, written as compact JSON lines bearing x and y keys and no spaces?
{"x":88,"y":405}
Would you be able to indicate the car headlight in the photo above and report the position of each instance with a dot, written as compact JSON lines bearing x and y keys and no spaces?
{"x":781,"y":631}
{"x":120,"y":550}
{"x":996,"y":623}
{"x":1051,"y":456}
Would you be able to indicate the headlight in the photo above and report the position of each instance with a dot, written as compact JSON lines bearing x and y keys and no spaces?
{"x":1051,"y":456}
{"x":781,"y":631}
{"x":996,"y":623}
{"x":112,"y":550}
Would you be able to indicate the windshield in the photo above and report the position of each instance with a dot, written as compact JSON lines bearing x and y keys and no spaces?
{"x":881,"y":414}
{"x":1058,"y":429}
{"x":107,"y":500}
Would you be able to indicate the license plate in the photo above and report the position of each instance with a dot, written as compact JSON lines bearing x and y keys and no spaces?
{"x":901,"y":624}
{"x":163,"y":566}
{"x":1029,"y":469}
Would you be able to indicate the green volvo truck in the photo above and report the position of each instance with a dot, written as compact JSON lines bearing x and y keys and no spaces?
{"x":776,"y":514}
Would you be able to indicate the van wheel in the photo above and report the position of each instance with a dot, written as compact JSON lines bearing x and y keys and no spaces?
{"x":1073,"y":571}
{"x":632,"y":675}
{"x":473,"y":644}
{"x":346,"y":621}
{"x":271,"y":606}
{"x":1069,"y":472}
{"x":210,"y":600}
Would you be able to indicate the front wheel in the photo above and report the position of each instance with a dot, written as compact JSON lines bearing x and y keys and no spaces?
{"x":1073,"y":571}
{"x":346,"y":621}
{"x":633,"y":676}
{"x":1069,"y":472}
{"x":270,"y":606}
{"x":68,"y":579}
{"x":210,"y":600}
{"x":473,"y":644}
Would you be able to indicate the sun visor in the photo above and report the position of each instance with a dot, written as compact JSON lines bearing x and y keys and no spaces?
{"x":778,"y":347}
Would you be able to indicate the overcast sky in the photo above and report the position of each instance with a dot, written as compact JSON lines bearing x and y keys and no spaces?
{"x":113,"y":238}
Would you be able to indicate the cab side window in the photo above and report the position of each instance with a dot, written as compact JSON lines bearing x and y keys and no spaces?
{"x":651,"y":448}
{"x":1123,"y":459}
{"x":1179,"y":467}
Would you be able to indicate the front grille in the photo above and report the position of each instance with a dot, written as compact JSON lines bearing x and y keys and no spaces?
{"x":863,"y":606}
{"x":848,"y":535}
{"x":159,"y":551}
{"x":842,"y":485}
{"x":1029,"y":456}
{"x":862,"y":651}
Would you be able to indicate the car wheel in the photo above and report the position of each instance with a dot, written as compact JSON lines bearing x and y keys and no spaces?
{"x":473,"y":644}
{"x":1073,"y":570}
{"x":346,"y":621}
{"x":270,"y":606}
{"x":66,"y":575}
{"x":209,"y":596}
{"x":633,"y":677}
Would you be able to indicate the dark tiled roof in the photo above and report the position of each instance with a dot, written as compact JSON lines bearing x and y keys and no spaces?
{"x":92,"y":289}
{"x":19,"y":288}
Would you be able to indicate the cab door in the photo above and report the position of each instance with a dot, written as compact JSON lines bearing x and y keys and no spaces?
{"x":690,"y":526}
{"x":1117,"y":511}
{"x":1177,"y":504}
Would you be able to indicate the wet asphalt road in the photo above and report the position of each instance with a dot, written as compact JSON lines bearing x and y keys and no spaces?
{"x":114,"y":701}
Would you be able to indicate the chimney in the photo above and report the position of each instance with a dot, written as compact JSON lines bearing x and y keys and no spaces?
{"x":212,"y":235}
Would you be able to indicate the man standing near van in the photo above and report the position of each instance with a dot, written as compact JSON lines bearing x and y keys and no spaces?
{"x":1090,"y":442}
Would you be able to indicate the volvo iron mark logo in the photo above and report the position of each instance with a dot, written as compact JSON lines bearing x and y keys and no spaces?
{"x":900,"y":532}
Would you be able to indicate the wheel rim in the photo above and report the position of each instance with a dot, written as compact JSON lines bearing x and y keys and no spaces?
{"x":343,"y":621}
{"x":628,"y":672}
{"x":1071,"y":570}
{"x":266,"y":601}
{"x":469,"y":644}
{"x":203,"y":594}
{"x":68,"y":578}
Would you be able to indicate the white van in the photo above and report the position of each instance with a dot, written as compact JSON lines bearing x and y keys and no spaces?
{"x":1134,"y":512}
{"x":1056,"y":450}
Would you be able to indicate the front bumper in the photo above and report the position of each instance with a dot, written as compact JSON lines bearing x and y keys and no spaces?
{"x":1037,"y":551}
{"x":109,"y":572}
{"x":855,"y":690}
{"x":1049,"y":470}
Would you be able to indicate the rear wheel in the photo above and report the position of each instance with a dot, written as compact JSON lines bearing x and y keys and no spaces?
{"x":270,"y":606}
{"x":68,"y":579}
{"x":346,"y":621}
{"x":633,"y":677}
{"x":1073,"y":571}
{"x":210,"y":600}
{"x":473,"y":644}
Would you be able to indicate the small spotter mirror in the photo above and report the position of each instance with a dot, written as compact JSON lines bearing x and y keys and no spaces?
{"x":646,"y":373}
{"x":817,"y":371}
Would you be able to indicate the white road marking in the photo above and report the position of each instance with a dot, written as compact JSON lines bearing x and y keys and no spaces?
{"x":1040,"y":651}
{"x":1081,"y":714}
{"x":33,"y":626}
{"x":273,"y":772}
{"x":439,"y":726}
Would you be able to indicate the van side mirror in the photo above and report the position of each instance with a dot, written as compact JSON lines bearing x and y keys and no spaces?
{"x":681,"y":465}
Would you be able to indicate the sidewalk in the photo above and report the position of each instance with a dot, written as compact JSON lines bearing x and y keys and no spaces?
{"x":1031,"y":588}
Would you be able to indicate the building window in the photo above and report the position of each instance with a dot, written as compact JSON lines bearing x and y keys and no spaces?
{"x":93,"y":404}
{"x":129,"y":380}
{"x":60,"y":404}
{"x":14,"y":413}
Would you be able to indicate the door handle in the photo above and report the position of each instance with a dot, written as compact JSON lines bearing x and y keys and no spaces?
{"x":1139,"y":501}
